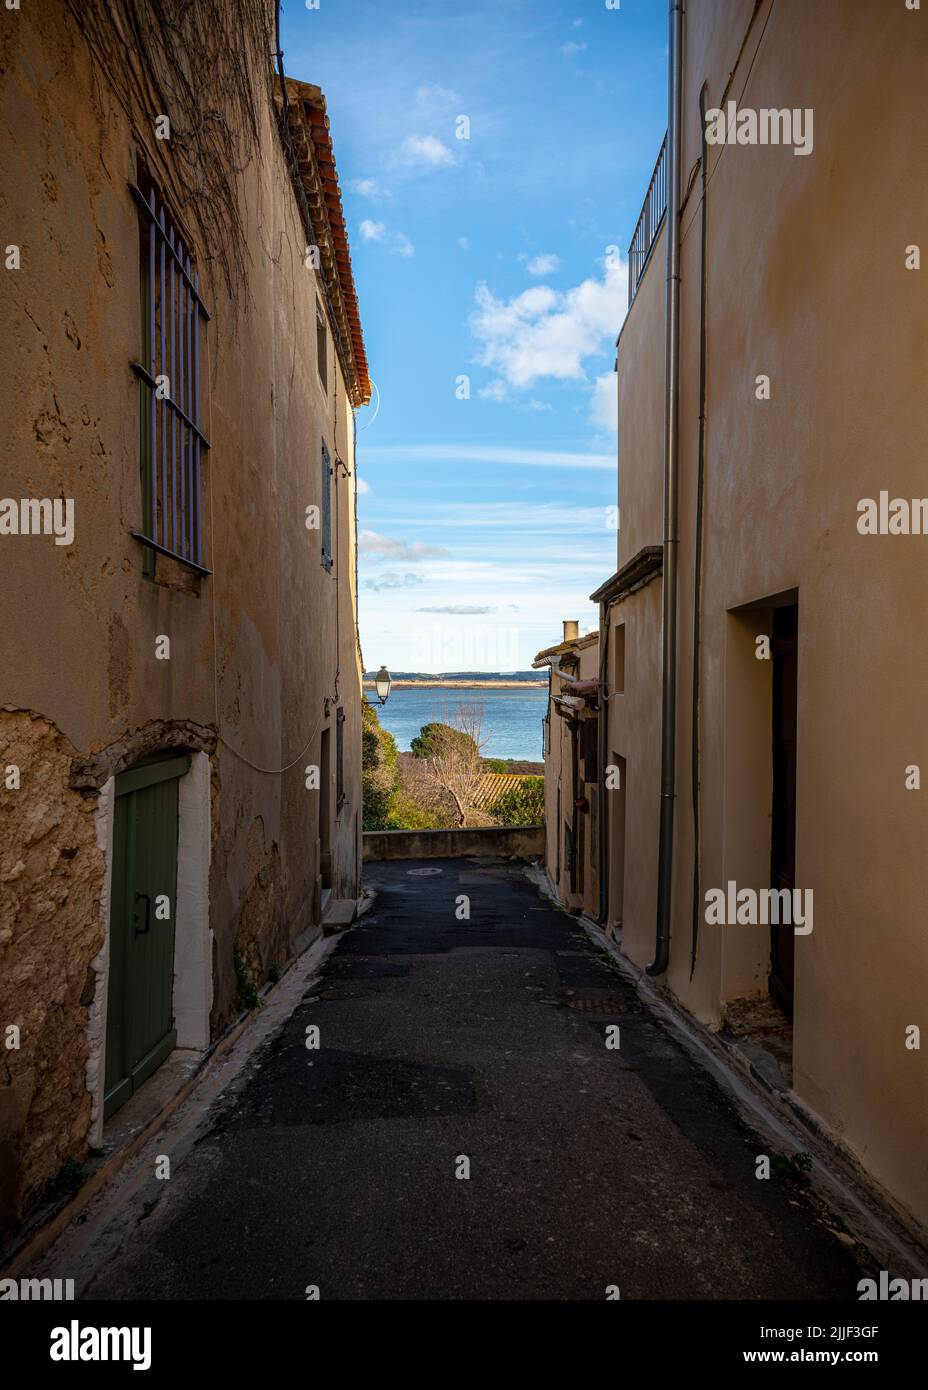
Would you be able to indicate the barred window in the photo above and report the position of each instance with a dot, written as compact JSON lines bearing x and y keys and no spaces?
{"x":326,"y":528}
{"x":173,"y":445}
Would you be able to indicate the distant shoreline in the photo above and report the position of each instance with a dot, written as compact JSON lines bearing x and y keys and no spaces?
{"x":463,"y":685}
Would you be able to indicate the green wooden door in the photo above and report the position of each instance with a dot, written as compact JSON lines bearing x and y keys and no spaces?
{"x":140,"y":1030}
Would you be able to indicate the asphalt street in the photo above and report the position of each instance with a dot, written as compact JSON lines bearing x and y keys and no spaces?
{"x":463,"y":1131}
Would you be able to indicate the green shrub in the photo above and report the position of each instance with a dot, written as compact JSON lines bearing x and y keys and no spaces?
{"x":792,"y":1165}
{"x":430,"y":738}
{"x":495,"y":765}
{"x":407,"y":814}
{"x":523,"y":804}
{"x":378,"y":771}
{"x":247,"y":993}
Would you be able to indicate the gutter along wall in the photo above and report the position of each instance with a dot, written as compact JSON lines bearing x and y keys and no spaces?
{"x":807,"y":285}
{"x":263,"y":651}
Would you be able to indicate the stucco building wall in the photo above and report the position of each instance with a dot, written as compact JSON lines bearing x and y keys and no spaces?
{"x":807,"y":285}
{"x":581,"y":890}
{"x":263,"y":651}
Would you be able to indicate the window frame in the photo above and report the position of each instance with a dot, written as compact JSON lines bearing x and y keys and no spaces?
{"x":172,"y":320}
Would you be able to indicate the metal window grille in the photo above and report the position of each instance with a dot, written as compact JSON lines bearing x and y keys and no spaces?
{"x":326,"y":508}
{"x":649,"y":224}
{"x":172,"y":442}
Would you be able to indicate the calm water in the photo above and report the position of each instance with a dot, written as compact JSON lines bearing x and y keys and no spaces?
{"x":511,"y":718}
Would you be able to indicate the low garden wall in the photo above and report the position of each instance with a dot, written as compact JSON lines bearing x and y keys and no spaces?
{"x":495,"y":841}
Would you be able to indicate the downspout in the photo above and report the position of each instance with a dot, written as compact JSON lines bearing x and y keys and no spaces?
{"x":574,"y":796}
{"x":603,"y":913}
{"x":697,"y":578}
{"x":671,"y":461}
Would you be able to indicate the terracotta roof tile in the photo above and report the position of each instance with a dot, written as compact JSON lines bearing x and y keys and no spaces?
{"x":309,"y":132}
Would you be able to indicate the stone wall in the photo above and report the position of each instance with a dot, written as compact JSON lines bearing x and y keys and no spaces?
{"x":503,"y":841}
{"x":51,"y":876}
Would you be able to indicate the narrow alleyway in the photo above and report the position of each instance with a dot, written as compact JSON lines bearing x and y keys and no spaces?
{"x":443,"y":1038}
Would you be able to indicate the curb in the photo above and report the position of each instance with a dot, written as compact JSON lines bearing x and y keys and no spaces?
{"x":869,"y":1213}
{"x":36,"y":1246}
{"x":33,"y":1246}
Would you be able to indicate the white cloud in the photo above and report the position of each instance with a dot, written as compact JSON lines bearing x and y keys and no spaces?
{"x":544,"y":264}
{"x":363,"y":487}
{"x":462,"y":609}
{"x":496,"y":391}
{"x":545,"y":333}
{"x":604,"y":405}
{"x":570,"y":50}
{"x":431,"y":94}
{"x":521,"y":518}
{"x":464,"y":243}
{"x":393,"y":581}
{"x":487,"y":453}
{"x":425,"y":150}
{"x":369,"y":188}
{"x":399,"y":243}
{"x":372,"y":543}
{"x":576,"y":24}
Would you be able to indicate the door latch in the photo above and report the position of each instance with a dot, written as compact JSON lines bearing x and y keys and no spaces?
{"x":140,"y":931}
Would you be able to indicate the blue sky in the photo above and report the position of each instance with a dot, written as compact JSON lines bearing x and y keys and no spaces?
{"x":487,"y":258}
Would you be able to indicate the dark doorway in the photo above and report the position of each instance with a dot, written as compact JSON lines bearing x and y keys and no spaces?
{"x":784,"y":646}
{"x":140,"y":1030}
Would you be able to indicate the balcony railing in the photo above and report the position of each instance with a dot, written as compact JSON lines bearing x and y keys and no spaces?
{"x":653,"y":212}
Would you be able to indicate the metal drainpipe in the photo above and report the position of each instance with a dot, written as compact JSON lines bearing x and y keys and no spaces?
{"x":671,"y":468}
{"x":602,"y":735}
{"x":700,"y":502}
{"x":575,"y":813}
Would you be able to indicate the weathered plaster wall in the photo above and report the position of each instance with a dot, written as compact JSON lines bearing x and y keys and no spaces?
{"x":559,"y":769}
{"x":51,"y":874}
{"x":640,"y":358}
{"x":633,"y":724}
{"x":260,"y":658}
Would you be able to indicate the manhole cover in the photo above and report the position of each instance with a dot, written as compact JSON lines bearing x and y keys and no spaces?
{"x":421,"y":873}
{"x":597,"y":1006}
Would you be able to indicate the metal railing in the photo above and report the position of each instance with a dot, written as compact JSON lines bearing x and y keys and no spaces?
{"x":650,"y":221}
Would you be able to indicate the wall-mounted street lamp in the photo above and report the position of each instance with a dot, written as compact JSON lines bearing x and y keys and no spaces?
{"x":382,"y":682}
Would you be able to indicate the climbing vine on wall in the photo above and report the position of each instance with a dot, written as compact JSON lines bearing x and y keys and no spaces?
{"x":207,"y":66}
